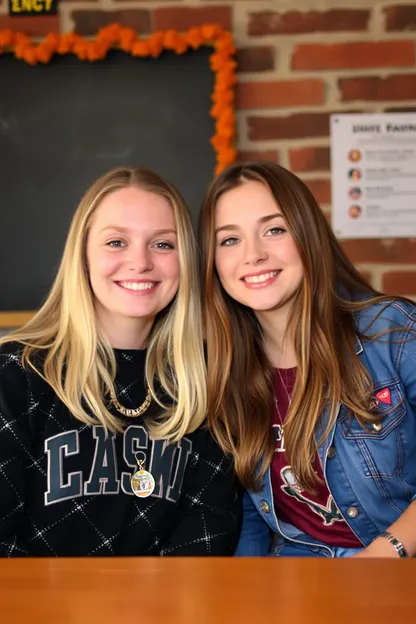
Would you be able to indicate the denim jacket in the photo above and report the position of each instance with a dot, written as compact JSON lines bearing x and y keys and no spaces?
{"x":371,"y":473}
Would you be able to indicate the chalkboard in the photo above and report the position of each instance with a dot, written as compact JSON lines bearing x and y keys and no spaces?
{"x":65,"y":123}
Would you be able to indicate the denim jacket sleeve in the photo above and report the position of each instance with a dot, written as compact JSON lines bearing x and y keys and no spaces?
{"x":407,"y":370}
{"x":256,"y":535}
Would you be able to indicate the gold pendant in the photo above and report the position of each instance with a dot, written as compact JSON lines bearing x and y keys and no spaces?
{"x":142,"y":482}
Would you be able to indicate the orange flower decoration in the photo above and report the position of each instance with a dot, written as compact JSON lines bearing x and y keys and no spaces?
{"x":116,"y":36}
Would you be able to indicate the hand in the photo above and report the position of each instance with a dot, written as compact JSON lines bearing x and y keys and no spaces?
{"x":379,"y":548}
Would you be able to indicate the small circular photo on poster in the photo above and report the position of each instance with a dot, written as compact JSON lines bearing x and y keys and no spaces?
{"x":354,"y":175}
{"x":354,"y":155}
{"x":354,"y":192}
{"x":354,"y":211}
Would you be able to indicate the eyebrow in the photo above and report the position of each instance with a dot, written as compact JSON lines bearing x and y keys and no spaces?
{"x":119,"y":228}
{"x":261,"y":220}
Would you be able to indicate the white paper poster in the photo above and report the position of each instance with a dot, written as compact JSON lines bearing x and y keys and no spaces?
{"x":373,"y":163}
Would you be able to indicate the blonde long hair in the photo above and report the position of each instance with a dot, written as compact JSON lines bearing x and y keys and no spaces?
{"x":240,"y":376}
{"x":78,"y":361}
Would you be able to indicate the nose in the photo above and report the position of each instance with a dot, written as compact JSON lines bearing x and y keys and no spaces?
{"x":255,"y":252}
{"x":140,"y":260}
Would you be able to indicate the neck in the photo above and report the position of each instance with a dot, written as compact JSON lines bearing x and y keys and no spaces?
{"x":278,"y":341}
{"x":125,"y":332}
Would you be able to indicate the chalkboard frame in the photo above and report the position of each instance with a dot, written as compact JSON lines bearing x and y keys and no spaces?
{"x":116,"y":36}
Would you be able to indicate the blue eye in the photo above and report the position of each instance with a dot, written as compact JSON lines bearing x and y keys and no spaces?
{"x":116,"y":243}
{"x":163,"y":245}
{"x":227,"y":242}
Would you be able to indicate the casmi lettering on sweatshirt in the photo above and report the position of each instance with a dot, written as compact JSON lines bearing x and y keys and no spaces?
{"x":167,"y":464}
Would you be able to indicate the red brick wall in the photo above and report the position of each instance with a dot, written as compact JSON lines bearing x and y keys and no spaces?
{"x":298,"y":62}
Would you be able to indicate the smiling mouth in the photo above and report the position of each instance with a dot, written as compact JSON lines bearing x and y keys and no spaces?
{"x":261,"y":278}
{"x":138,"y":286}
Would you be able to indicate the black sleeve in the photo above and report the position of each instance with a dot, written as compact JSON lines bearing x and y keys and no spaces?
{"x":210,"y":510}
{"x":14,"y":450}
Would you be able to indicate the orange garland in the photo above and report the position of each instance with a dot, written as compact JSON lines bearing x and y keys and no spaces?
{"x":116,"y":36}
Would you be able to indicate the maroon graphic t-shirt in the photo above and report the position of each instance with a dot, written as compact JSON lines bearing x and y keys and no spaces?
{"x":315,"y":514}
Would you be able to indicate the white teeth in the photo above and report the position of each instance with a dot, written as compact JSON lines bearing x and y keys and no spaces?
{"x":137,"y":285}
{"x":256,"y":279}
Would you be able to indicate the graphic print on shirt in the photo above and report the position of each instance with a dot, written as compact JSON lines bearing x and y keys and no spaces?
{"x":329,"y":513}
{"x":166,"y":462}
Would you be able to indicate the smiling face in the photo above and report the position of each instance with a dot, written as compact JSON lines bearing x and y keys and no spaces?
{"x":256,"y":257}
{"x":132,"y":256}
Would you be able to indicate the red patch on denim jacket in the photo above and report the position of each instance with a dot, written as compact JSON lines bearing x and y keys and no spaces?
{"x":384,"y":396}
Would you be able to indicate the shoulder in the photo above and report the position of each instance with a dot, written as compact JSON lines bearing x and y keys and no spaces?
{"x":386,"y":315}
{"x":14,"y":380}
{"x":15,"y":375}
{"x":11,"y":358}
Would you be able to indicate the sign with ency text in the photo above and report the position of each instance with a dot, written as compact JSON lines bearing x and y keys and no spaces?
{"x":373,"y":167}
{"x":32,"y":7}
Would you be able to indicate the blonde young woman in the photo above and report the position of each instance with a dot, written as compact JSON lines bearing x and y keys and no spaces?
{"x":103,"y":448}
{"x":311,"y":375}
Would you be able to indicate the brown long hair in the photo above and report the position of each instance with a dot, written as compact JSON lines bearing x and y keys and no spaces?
{"x":240,"y":376}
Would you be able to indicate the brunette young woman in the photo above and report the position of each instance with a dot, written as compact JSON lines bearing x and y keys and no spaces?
{"x":311,"y":375}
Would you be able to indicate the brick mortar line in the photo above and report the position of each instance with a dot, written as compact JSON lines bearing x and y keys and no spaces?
{"x":333,"y":37}
{"x":326,"y":74}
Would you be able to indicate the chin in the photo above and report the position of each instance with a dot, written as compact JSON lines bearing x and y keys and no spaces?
{"x":137,"y":313}
{"x":264,"y":308}
{"x":257,"y":304}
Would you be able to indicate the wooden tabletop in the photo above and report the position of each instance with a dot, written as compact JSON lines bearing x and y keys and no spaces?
{"x":207,"y":591}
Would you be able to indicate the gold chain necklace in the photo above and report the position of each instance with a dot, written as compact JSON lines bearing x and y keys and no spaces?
{"x":131,"y":413}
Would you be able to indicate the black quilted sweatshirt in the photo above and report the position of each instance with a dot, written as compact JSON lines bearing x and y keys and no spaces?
{"x":65,"y":486}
